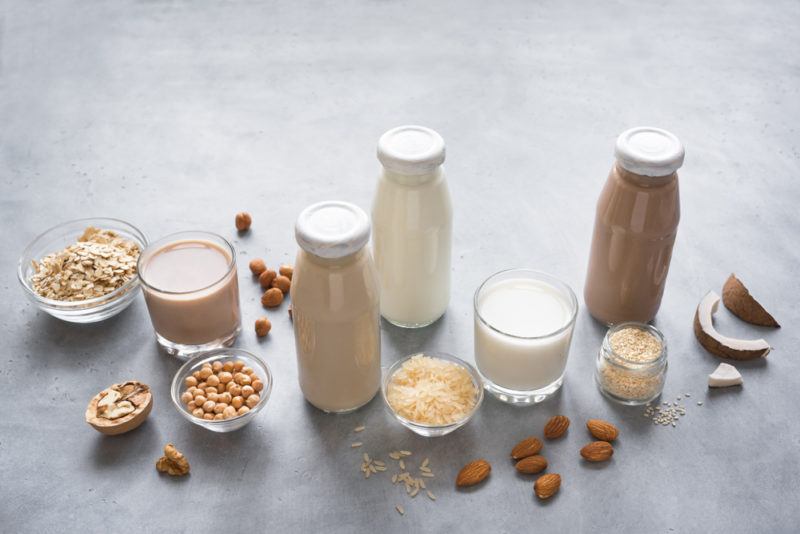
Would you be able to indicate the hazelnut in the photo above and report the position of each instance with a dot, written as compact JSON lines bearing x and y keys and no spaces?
{"x":266,"y":278}
{"x":263,"y":326}
{"x":282,"y":283}
{"x":272,"y":298}
{"x":257,"y":266}
{"x":287,"y":271}
{"x":243,"y":221}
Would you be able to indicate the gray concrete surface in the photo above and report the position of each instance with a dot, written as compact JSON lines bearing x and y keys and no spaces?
{"x":176,"y":115}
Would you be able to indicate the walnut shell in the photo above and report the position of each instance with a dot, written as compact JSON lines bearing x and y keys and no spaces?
{"x":133,"y":392}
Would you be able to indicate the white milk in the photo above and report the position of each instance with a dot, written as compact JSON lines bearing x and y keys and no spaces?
{"x":515,"y":344}
{"x":412,"y":227}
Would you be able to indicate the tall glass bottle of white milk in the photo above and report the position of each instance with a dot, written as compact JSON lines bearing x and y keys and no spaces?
{"x":412,"y":219}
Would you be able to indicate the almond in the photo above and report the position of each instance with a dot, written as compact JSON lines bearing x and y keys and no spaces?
{"x":473,"y":473}
{"x":527,"y":447}
{"x":532,"y":464}
{"x":597,"y":451}
{"x":602,"y":430}
{"x":547,"y":485}
{"x":556,"y":426}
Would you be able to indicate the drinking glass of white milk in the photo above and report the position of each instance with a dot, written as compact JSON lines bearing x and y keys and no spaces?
{"x":523,"y":329}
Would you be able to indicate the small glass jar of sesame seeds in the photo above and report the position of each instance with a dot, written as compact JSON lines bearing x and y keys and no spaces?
{"x":632,"y":363}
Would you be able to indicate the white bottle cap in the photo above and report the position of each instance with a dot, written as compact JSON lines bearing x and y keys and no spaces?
{"x":649,"y":151}
{"x":411,"y":150}
{"x":332,"y":229}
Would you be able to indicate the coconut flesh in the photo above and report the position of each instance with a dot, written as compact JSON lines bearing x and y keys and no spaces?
{"x":716,"y":343}
{"x":724,"y":376}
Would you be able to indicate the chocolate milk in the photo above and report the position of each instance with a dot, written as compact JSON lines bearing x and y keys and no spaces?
{"x":635,"y":228}
{"x":192,"y":292}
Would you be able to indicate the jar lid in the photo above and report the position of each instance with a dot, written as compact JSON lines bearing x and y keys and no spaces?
{"x":411,"y":150}
{"x":332,"y":229}
{"x":649,"y":151}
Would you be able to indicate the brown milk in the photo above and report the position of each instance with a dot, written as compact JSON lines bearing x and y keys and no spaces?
{"x":635,"y":228}
{"x":192,"y":292}
{"x":336,"y":308}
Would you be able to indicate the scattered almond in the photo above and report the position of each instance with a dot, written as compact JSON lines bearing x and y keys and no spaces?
{"x":602,"y":430}
{"x":547,"y":485}
{"x":597,"y":451}
{"x":556,"y":426}
{"x":532,"y":464}
{"x":527,"y":447}
{"x":473,"y":473}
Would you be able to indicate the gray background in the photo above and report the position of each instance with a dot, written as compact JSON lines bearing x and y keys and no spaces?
{"x":176,"y":115}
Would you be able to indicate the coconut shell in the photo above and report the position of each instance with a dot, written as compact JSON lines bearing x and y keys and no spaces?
{"x":741,"y":303}
{"x":716,"y":343}
{"x":142,"y":401}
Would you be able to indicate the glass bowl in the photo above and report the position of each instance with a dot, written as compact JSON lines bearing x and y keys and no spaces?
{"x":57,"y":238}
{"x":431,"y":430}
{"x":196,"y":363}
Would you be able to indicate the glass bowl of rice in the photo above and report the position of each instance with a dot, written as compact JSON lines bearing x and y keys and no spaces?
{"x":432,"y":393}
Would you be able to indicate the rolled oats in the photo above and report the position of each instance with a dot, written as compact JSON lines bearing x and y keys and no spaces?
{"x":97,"y":264}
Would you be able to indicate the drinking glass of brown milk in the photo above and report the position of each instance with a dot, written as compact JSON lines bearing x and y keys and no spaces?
{"x":190,"y":285}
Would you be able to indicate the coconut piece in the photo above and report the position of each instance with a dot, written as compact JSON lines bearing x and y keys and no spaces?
{"x":741,"y":303}
{"x":120,"y":408}
{"x":725,"y":375}
{"x":716,"y":343}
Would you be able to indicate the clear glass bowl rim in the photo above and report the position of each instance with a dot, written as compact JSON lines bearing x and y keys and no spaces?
{"x":198,"y":360}
{"x":88,"y":303}
{"x":476,"y":380}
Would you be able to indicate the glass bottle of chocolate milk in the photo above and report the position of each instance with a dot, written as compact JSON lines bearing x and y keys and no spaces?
{"x":635,"y":227}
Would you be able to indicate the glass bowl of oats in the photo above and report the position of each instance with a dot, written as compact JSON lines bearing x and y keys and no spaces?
{"x":83,"y":271}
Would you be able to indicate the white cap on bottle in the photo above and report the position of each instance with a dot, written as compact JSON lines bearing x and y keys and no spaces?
{"x":411,"y":150}
{"x":649,"y":151}
{"x":332,"y":229}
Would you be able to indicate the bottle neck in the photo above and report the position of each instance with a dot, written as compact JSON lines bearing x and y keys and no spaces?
{"x":642,"y":180}
{"x":335,"y":262}
{"x":412,"y":179}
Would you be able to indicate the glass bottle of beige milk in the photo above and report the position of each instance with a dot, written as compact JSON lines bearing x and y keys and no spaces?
{"x":336,"y":307}
{"x":635,"y":228}
{"x":412,"y":221}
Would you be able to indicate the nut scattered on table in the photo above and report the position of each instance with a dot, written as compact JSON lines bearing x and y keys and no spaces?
{"x":283,"y":283}
{"x":257,"y":266}
{"x":263,"y":326}
{"x":473,"y":473}
{"x":597,"y":451}
{"x":120,"y":408}
{"x":602,"y":430}
{"x":266,"y":277}
{"x":556,"y":426}
{"x":287,"y":271}
{"x":527,"y":447}
{"x":174,"y":463}
{"x":547,"y":485}
{"x":222,"y":390}
{"x":531,"y":464}
{"x":272,"y":298}
{"x":100,"y":262}
{"x":243,"y":221}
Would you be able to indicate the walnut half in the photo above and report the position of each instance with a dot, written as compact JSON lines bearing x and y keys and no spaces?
{"x":120,"y":407}
{"x":173,"y":462}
